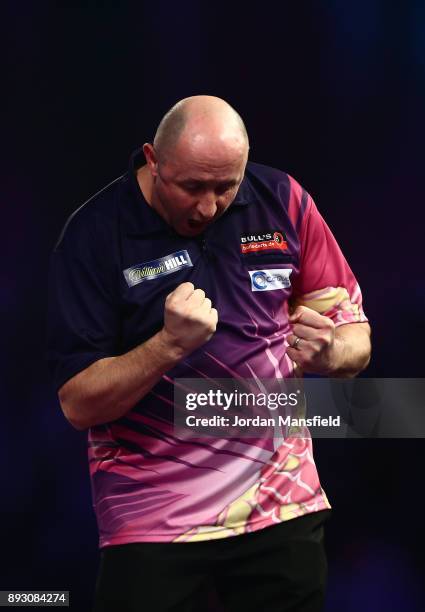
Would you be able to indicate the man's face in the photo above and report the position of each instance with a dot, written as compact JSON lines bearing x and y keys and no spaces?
{"x":192,"y":191}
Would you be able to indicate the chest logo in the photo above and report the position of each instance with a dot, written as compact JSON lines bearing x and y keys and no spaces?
{"x":263,"y":241}
{"x":150,"y":270}
{"x":268,"y":280}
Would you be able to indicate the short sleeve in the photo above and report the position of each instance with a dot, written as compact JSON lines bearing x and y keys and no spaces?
{"x":82,"y":313}
{"x":325,"y":283}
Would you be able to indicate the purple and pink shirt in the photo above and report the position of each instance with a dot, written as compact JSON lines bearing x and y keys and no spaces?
{"x":115,"y":262}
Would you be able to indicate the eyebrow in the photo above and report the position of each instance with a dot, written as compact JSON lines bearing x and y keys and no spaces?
{"x":193,"y":181}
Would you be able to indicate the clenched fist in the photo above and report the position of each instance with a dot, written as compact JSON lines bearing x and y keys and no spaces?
{"x":189,"y":319}
{"x":312,"y":344}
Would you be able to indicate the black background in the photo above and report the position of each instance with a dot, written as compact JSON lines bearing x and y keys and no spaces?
{"x":331,"y":92}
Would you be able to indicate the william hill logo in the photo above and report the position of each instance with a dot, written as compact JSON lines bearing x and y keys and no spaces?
{"x":150,"y":270}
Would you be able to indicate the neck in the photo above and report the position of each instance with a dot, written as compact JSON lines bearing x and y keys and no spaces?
{"x":145,"y":181}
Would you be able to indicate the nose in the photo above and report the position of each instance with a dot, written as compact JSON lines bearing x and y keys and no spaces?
{"x":207,"y":207}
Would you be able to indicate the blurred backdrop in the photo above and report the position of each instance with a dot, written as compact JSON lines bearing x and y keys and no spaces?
{"x":331,"y":92}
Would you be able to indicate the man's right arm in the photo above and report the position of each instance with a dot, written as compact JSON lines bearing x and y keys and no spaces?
{"x":111,"y":386}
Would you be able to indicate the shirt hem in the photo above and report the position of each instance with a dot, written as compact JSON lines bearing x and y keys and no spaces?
{"x":169,"y":538}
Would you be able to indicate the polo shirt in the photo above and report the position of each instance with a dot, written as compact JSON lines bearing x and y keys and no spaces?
{"x":114,"y":263}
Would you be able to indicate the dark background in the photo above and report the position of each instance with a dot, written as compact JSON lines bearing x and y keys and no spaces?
{"x":333,"y":93}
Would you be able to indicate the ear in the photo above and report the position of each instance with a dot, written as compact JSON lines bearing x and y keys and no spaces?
{"x":151,"y":158}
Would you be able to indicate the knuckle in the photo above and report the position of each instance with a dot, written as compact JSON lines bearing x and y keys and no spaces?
{"x":315,"y":348}
{"x":173,"y":309}
{"x":324,"y":339}
{"x":191,"y":316}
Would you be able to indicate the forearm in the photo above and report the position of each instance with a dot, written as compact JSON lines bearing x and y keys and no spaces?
{"x":352,"y":350}
{"x":110,"y":387}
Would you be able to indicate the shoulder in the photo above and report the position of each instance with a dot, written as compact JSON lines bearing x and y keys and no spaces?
{"x":280,"y":185}
{"x":274,"y":178}
{"x":98,"y":213}
{"x":263,"y":172}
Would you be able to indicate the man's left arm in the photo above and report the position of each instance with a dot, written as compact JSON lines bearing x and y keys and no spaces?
{"x":330,"y":334}
{"x":318,"y":346}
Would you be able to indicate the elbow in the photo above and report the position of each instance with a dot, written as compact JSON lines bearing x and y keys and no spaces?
{"x":363,"y":363}
{"x":367,"y":361}
{"x":85,"y":400}
{"x":78,"y":425}
{"x":72,"y":411}
{"x":358,"y":349}
{"x":367,"y":355}
{"x":78,"y":406}
{"x":357,"y":371}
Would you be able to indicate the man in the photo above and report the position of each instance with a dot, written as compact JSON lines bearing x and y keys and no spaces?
{"x":189,"y":265}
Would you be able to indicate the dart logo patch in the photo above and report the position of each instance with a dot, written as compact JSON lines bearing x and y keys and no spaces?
{"x":263,"y":241}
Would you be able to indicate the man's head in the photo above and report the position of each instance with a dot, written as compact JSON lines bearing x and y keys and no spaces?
{"x":197,"y":162}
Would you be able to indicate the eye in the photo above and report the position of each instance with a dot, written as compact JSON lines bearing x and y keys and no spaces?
{"x":190,"y":187}
{"x":224,"y":188}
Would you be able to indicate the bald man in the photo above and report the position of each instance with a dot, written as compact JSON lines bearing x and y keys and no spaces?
{"x":198,"y":263}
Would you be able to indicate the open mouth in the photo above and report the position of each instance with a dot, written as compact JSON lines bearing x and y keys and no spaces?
{"x":197,"y":224}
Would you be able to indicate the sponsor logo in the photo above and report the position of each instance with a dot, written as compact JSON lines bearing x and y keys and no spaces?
{"x":157,"y":267}
{"x":268,"y":280}
{"x":263,"y":241}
